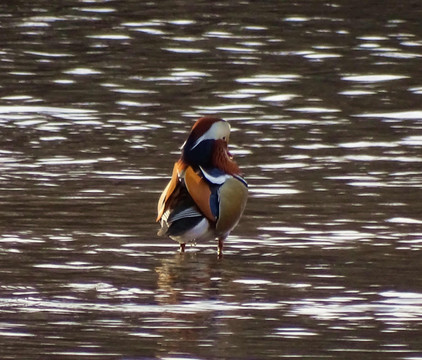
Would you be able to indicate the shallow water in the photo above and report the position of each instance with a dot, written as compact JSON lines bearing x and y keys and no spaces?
{"x":324,"y":100}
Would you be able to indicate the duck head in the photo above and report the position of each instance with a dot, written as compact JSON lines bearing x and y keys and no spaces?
{"x":207,"y":146}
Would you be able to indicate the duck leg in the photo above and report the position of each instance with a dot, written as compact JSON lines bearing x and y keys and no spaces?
{"x":182,"y":247}
{"x":220,"y":247}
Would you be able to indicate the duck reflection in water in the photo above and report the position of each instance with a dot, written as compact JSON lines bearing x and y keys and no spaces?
{"x":206,"y":195}
{"x":186,"y":286}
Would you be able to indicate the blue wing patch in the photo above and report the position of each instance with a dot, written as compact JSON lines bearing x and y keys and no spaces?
{"x":214,"y":200}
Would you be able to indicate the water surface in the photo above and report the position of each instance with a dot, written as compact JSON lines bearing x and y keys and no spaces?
{"x":324,"y":100}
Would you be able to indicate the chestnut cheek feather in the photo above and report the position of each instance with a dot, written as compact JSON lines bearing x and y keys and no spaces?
{"x":222,"y":159}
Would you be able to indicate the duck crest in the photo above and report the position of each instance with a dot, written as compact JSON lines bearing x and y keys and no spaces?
{"x":202,"y":125}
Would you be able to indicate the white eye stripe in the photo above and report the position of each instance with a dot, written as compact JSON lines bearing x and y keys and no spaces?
{"x":201,"y":138}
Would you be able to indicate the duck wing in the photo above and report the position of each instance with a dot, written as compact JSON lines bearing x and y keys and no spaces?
{"x":170,"y":190}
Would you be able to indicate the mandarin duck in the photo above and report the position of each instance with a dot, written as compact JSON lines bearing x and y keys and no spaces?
{"x":206,"y":195}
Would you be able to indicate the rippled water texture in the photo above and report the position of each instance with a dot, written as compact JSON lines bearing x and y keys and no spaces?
{"x":324,"y":99}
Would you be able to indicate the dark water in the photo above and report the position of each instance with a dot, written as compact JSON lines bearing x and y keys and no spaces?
{"x":325,"y":103}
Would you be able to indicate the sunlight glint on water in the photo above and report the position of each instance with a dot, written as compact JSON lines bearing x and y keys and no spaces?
{"x":324,"y":104}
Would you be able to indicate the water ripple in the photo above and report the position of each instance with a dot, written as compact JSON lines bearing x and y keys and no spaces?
{"x":98,"y":96}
